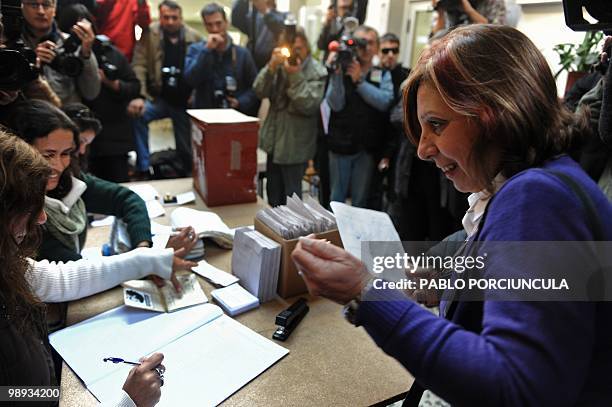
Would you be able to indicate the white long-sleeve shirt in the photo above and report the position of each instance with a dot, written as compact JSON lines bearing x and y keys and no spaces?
{"x":58,"y":282}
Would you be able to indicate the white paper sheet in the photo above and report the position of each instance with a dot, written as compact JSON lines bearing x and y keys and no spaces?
{"x":220,"y":116}
{"x":215,"y":275}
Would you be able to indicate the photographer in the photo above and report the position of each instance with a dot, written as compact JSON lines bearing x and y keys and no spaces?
{"x":158,"y":62}
{"x":268,"y":26}
{"x":221,"y":72}
{"x":452,"y":13}
{"x":68,"y":67}
{"x":295,"y":85}
{"x":359,"y":96}
{"x":107,"y":156}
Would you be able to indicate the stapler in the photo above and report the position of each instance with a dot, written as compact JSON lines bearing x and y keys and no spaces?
{"x":288,"y":319}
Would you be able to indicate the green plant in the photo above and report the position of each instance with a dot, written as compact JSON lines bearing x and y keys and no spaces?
{"x":579,"y":57}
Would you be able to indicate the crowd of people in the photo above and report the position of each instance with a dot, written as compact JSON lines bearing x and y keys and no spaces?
{"x":478,"y":114}
{"x":333,"y":113}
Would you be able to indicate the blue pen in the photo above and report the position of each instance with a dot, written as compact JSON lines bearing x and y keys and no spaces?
{"x":119,"y":360}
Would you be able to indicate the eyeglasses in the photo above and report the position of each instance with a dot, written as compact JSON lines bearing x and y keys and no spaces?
{"x":387,"y":50}
{"x":46,"y":5}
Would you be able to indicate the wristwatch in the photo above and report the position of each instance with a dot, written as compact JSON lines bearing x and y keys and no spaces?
{"x":350,"y":309}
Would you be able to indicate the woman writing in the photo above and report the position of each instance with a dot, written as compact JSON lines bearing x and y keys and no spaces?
{"x":482,"y":105}
{"x":24,"y":351}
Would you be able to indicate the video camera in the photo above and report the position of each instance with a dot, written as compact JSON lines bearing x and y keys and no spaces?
{"x":221,"y":95}
{"x":598,"y":15}
{"x":17,"y":62}
{"x":346,"y":48}
{"x":101,"y":46}
{"x":65,"y":61}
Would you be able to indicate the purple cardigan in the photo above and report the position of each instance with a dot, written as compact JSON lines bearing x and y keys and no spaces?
{"x":523,"y":353}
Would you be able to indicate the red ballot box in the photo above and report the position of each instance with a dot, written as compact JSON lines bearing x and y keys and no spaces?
{"x":224,"y":143}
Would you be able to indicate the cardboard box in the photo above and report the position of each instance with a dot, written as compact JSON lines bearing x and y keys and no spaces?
{"x":289,"y":281}
{"x":224,"y":143}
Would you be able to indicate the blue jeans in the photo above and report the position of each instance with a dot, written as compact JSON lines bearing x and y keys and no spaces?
{"x":354,"y":171}
{"x":156,"y":110}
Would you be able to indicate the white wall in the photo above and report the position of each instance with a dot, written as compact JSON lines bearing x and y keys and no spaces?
{"x":545,"y":25}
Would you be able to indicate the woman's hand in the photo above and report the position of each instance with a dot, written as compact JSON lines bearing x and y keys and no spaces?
{"x":178,"y":263}
{"x":143,"y":383}
{"x":185,"y":239}
{"x":328,"y":270}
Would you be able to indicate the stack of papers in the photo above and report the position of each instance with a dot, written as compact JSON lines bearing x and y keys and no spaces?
{"x":234,"y":299}
{"x":256,"y":261}
{"x":145,"y":294}
{"x":297,"y":218}
{"x":206,"y":224}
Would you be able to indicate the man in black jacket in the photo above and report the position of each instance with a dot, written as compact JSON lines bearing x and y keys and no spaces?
{"x":359,"y":96}
{"x":109,"y":149}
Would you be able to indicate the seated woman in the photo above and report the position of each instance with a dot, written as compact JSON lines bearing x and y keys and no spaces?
{"x":482,"y":105}
{"x":72,"y":193}
{"x":25,"y":349}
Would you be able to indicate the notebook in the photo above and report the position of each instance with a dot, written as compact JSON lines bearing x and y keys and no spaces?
{"x":145,"y":294}
{"x":208,"y":355}
{"x":234,"y":299}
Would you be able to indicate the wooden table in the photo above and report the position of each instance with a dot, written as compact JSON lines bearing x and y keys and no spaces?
{"x":331,"y":363}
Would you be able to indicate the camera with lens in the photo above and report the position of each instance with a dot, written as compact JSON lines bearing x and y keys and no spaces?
{"x":287,"y":38}
{"x":171,"y":76}
{"x":449,"y":6}
{"x":101,"y":48}
{"x":65,"y":61}
{"x":221,"y":95}
{"x":346,"y":49}
{"x":17,"y":61}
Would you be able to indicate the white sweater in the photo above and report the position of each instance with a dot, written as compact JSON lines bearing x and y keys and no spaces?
{"x":58,"y":282}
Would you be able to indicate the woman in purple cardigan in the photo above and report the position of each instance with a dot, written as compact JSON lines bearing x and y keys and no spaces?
{"x":482,"y":105}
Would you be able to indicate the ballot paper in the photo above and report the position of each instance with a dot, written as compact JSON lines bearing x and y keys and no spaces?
{"x":206,"y":224}
{"x":146,"y":295}
{"x":213,"y":274}
{"x":359,"y":228}
{"x":256,"y":262}
{"x":208,"y":355}
{"x":297,"y":218}
{"x":234,"y":299}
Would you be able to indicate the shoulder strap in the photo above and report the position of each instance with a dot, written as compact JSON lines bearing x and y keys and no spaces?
{"x":586,"y":201}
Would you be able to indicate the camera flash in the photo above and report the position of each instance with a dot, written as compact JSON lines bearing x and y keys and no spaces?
{"x":285,"y":52}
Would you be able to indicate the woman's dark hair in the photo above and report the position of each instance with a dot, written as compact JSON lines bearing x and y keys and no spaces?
{"x":23,"y":178}
{"x":497,"y":77}
{"x":72,"y":14}
{"x":83,"y":117}
{"x":33,"y":119}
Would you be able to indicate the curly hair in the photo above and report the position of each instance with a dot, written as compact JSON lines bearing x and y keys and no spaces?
{"x":496,"y":76}
{"x":33,"y":119}
{"x":23,"y":178}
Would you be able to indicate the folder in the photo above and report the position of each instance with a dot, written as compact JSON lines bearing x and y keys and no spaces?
{"x":208,"y":355}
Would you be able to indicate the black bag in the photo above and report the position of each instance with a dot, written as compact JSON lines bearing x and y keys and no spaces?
{"x":166,"y":164}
